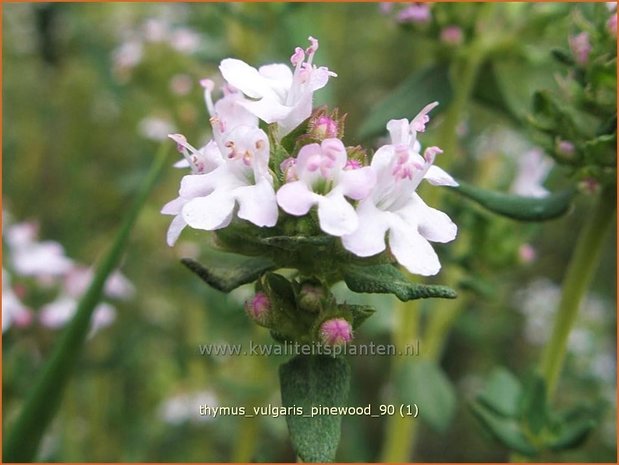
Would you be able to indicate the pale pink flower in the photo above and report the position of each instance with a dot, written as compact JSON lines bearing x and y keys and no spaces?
{"x":14,"y":312}
{"x":393,"y":207}
{"x":277,"y":94}
{"x":323,"y":181}
{"x":414,"y":13}
{"x":533,"y":168}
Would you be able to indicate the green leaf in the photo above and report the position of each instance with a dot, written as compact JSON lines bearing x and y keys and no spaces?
{"x":502,"y":393}
{"x":387,"y":279}
{"x":533,"y":408}
{"x":419,"y":89}
{"x":311,"y":381}
{"x":360,"y":313}
{"x":424,"y":383}
{"x":573,"y":432}
{"x":225,"y":271}
{"x":504,"y":429}
{"x":42,"y":403}
{"x":290,"y":140}
{"x":518,"y":207}
{"x":294,"y":243}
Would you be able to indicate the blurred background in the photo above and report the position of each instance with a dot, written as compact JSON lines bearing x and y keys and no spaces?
{"x":91,"y":90}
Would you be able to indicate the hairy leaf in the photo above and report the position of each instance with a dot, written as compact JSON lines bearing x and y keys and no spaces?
{"x":387,"y":279}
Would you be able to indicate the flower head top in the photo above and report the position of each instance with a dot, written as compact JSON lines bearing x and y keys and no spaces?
{"x":322,"y":176}
{"x":278,"y":94}
{"x":393,"y":206}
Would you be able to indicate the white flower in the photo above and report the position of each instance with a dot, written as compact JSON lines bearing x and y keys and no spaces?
{"x":324,"y":180}
{"x":393,"y":207}
{"x":155,"y":128}
{"x":40,"y":259}
{"x":533,"y":168}
{"x":278,"y":94}
{"x":58,"y":313}
{"x":228,"y":120}
{"x":14,"y":312}
{"x":77,"y":280}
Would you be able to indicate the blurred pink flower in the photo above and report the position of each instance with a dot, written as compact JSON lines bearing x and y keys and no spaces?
{"x":414,"y":13}
{"x":581,"y":47}
{"x":533,"y":168}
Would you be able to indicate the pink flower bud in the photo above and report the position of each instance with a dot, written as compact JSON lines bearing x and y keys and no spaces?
{"x":258,"y":308}
{"x":565,"y":148}
{"x":611,"y":25}
{"x":589,"y":186}
{"x":336,"y":332}
{"x":581,"y":47}
{"x":526,"y":253}
{"x":451,"y":35}
{"x":311,"y":297}
{"x":324,"y":128}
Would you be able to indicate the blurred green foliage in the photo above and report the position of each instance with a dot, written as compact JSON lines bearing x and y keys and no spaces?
{"x":74,"y":152}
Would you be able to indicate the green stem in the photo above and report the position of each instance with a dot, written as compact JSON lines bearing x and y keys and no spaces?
{"x":246,"y":441}
{"x":579,"y":274}
{"x":400,"y":431}
{"x":44,"y":399}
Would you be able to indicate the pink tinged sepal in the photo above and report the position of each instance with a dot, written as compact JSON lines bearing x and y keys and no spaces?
{"x":336,"y":332}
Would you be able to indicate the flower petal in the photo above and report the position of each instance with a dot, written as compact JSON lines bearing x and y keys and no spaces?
{"x":399,"y":131}
{"x":431,"y":223}
{"x":337,"y":217}
{"x":269,"y":110}
{"x":196,"y":185}
{"x":439,"y":177}
{"x":369,"y":238}
{"x":357,"y":184}
{"x":244,"y":77}
{"x":210,"y":212}
{"x":173,"y":207}
{"x":279,"y":76}
{"x":411,"y":250}
{"x":175,"y":229}
{"x":295,"y":198}
{"x":257,"y":204}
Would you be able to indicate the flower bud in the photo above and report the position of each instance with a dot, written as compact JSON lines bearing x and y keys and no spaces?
{"x":451,"y":35}
{"x":336,"y":332}
{"x":565,"y":148}
{"x":258,"y":308}
{"x":311,"y":297}
{"x":589,"y":185}
{"x":324,"y":125}
{"x":526,"y":254}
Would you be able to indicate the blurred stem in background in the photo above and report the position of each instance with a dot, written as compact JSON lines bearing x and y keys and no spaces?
{"x":579,"y":274}
{"x":401,"y":433}
{"x":42,"y":404}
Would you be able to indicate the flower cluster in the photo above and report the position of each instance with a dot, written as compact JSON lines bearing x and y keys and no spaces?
{"x":42,"y":284}
{"x":272,"y":158}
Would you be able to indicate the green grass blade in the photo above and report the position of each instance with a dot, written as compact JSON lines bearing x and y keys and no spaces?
{"x":25,"y":434}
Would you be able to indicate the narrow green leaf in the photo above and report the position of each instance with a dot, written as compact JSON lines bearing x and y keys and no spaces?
{"x":518,"y":207}
{"x":225,"y":271}
{"x":419,"y":89}
{"x":506,"y":430}
{"x":502,"y":393}
{"x":312,"y":381}
{"x":424,"y":383}
{"x":387,"y":279}
{"x":25,"y":434}
{"x":533,"y":408}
